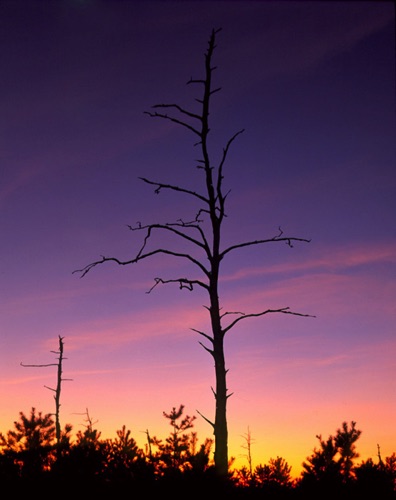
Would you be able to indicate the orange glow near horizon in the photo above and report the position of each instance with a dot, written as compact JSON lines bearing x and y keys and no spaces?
{"x":312,"y":84}
{"x":288,"y":386}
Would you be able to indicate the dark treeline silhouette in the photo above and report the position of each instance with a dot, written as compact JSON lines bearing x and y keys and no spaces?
{"x":32,"y":458}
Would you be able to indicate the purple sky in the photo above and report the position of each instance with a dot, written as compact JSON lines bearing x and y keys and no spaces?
{"x":313,"y":85}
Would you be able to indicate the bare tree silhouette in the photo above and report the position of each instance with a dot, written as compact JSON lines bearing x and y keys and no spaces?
{"x":58,"y":388}
{"x":207,"y":243}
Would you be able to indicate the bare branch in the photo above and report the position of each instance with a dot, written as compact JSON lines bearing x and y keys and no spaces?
{"x":171,"y":227}
{"x":207,"y":420}
{"x":210,"y":351}
{"x":179,"y":108}
{"x":223,"y":159}
{"x":85,"y":270}
{"x":215,"y":90}
{"x":183,"y":283}
{"x":282,"y":310}
{"x":174,"y":120}
{"x":141,"y":255}
{"x":193,"y":80}
{"x":287,"y":239}
{"x":161,"y":185}
{"x":193,"y":225}
{"x":174,"y":254}
{"x":38,"y":366}
{"x":203,"y":334}
{"x":230,"y":312}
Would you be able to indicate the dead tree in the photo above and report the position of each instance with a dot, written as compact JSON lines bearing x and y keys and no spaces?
{"x":205,"y":242}
{"x":57,"y":391}
{"x":248,"y":447}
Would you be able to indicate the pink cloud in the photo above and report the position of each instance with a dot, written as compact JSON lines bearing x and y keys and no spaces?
{"x":23,"y":380}
{"x":135,"y":326}
{"x":329,"y":259}
{"x":323,"y":295}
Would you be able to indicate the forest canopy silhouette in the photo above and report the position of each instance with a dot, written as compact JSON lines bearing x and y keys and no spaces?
{"x":42,"y":452}
{"x":31,"y":456}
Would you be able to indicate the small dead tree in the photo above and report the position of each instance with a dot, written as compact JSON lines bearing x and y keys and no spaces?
{"x":206,"y":242}
{"x":248,"y":447}
{"x":57,"y":391}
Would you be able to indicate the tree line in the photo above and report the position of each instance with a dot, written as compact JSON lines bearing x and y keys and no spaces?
{"x":32,"y":456}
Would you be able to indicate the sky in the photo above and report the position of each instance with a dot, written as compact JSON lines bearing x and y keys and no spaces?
{"x":313,"y":85}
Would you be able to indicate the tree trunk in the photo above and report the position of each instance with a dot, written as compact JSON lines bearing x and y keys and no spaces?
{"x":220,"y":424}
{"x":220,"y":427}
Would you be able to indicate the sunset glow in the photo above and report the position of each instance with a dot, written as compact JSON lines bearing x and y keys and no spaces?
{"x":313,"y":85}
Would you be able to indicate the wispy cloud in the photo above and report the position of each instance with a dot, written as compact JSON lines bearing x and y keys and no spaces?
{"x":295,"y":41}
{"x":328,"y":260}
{"x":57,"y":295}
{"x":134,"y":327}
{"x":321,"y":357}
{"x":23,"y":379}
{"x":19,"y":180}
